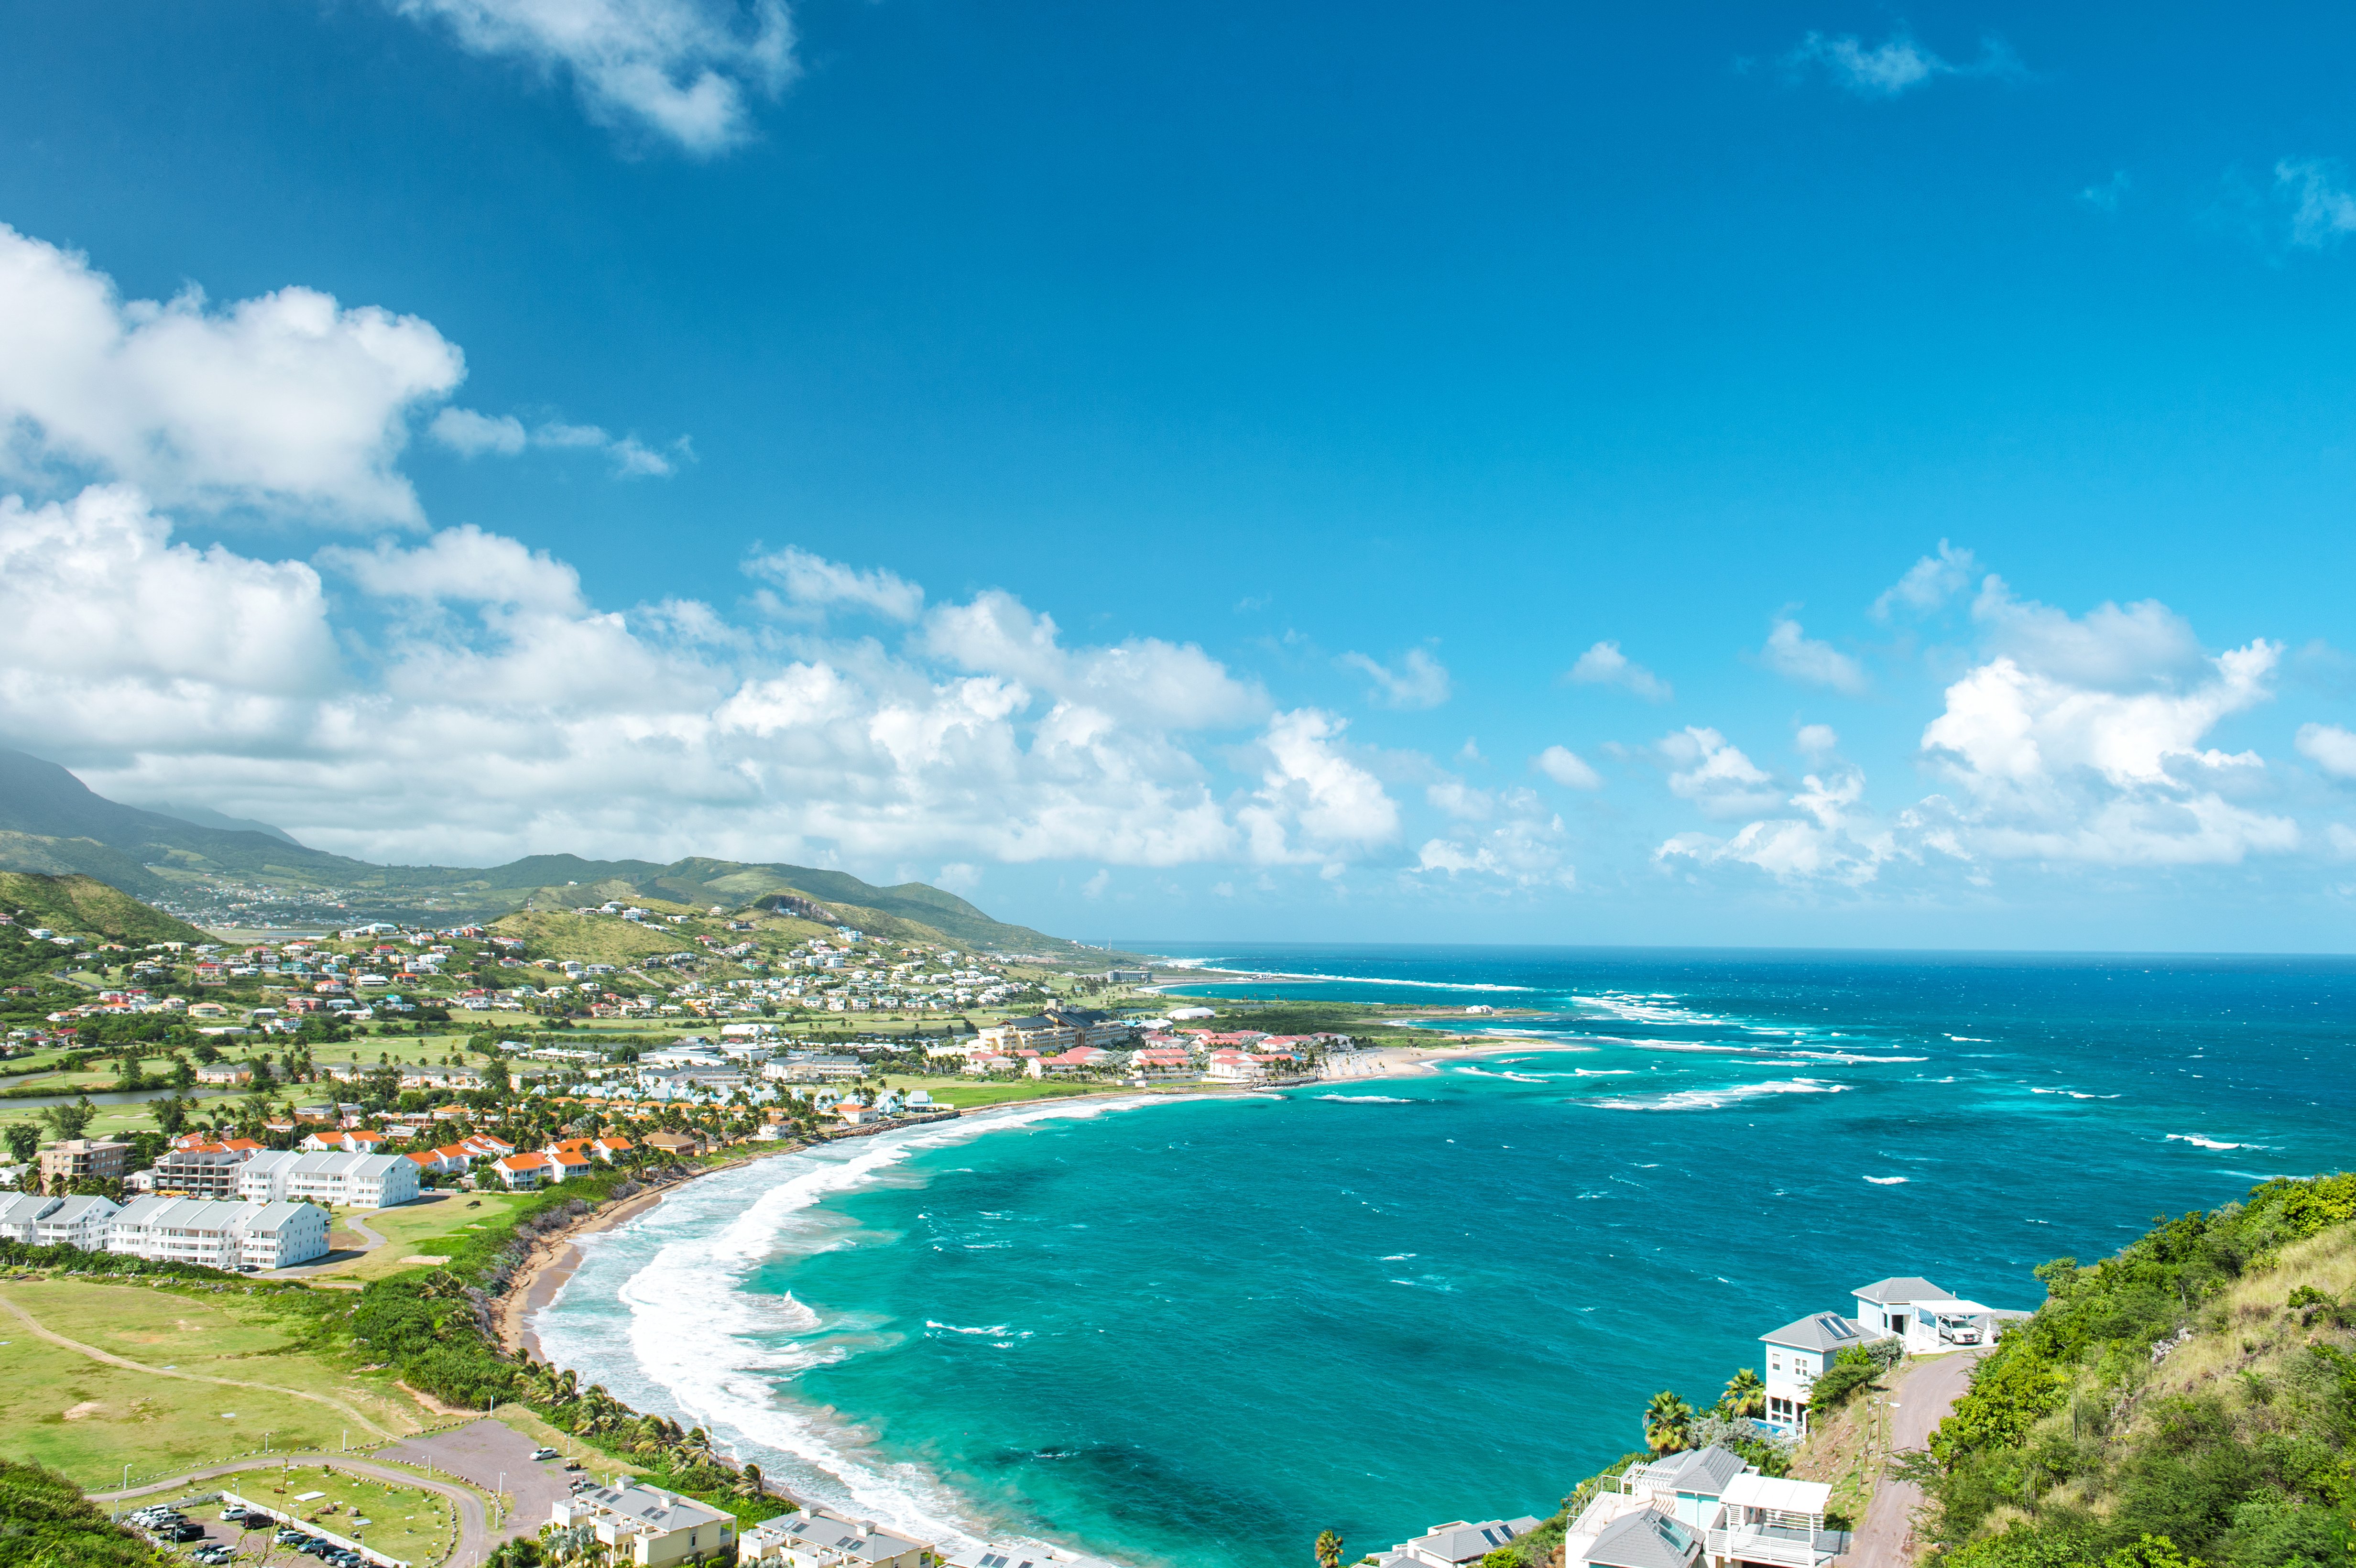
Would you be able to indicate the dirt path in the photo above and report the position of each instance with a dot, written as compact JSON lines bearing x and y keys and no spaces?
{"x":95,"y":1354}
{"x":473,"y":1541}
{"x":1918,"y":1402}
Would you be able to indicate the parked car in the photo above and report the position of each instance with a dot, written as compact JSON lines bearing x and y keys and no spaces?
{"x":543,"y":1453}
{"x":289,"y":1536}
{"x":1958,"y":1330}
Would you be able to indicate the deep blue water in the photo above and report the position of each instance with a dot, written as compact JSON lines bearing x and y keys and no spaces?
{"x":1198,"y":1332}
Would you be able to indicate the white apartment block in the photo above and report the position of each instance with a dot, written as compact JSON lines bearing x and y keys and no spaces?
{"x":646,"y":1525}
{"x":239,"y":1237}
{"x":350,"y":1181}
{"x":40,"y":1221}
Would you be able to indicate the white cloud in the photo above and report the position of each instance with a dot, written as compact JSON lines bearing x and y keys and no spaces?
{"x":1893,"y":67}
{"x":1605,"y":665}
{"x":2144,"y":644}
{"x":681,"y":68}
{"x":1714,"y":774}
{"x":2107,"y":196}
{"x":1315,"y":802}
{"x":462,"y":565}
{"x":1420,"y":681}
{"x":1928,"y":582}
{"x":814,"y":582}
{"x":284,"y":400}
{"x":491,"y":710}
{"x":2321,"y":207}
{"x":472,"y":435}
{"x":1794,"y":654}
{"x":1460,"y":801}
{"x":1817,"y":740}
{"x":1567,"y":768}
{"x":1172,"y":684}
{"x":1833,"y":839}
{"x":1526,"y":850}
{"x":2328,"y":747}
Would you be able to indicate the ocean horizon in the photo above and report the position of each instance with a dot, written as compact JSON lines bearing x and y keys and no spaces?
{"x":1181,"y":1331}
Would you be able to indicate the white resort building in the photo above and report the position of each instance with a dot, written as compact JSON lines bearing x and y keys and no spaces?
{"x":646,"y":1525}
{"x":821,"y":1538}
{"x":40,"y":1221}
{"x":1456,"y":1543}
{"x":1921,"y":1317}
{"x":239,"y":1237}
{"x":351,"y":1180}
{"x":1704,"y":1509}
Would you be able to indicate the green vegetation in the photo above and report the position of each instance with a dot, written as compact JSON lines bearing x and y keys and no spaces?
{"x":46,"y":1522}
{"x":79,"y":905}
{"x":404,"y":1521}
{"x":2190,"y":1401}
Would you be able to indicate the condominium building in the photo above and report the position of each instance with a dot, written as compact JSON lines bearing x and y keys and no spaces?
{"x":646,"y":1525}
{"x":352,"y":1180}
{"x":206,"y":1170}
{"x":821,"y":1538}
{"x":78,"y":1158}
{"x":234,"y":1236}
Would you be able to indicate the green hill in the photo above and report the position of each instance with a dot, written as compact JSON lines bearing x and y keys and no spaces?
{"x":51,"y":823}
{"x":77,"y":905}
{"x":2198,"y":1390}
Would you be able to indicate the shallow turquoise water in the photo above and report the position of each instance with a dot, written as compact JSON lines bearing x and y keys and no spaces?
{"x":1198,"y":1332}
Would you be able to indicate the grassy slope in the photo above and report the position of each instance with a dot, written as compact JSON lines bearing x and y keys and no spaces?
{"x":2238,"y":1444}
{"x":84,"y":905}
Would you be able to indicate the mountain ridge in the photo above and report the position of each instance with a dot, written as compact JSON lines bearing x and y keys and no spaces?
{"x":52,"y":823}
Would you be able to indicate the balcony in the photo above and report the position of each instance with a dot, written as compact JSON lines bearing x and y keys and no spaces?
{"x":1781,"y":1545}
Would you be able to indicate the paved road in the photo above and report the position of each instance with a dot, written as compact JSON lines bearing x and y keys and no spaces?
{"x":485,"y":1453}
{"x":474,"y":1526}
{"x":1919,"y":1402}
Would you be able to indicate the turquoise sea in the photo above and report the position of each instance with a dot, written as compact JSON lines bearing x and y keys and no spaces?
{"x":1196,"y":1332}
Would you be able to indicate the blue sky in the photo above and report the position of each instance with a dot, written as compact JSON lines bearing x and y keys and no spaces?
{"x":1221,"y":472}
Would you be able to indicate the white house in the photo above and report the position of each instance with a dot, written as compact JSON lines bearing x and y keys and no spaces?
{"x":1700,"y":1508}
{"x":219,"y":1233}
{"x":821,"y":1538}
{"x":77,"y":1222}
{"x":1457,"y":1542}
{"x":352,"y":1180}
{"x":19,"y":1217}
{"x":644,"y":1524}
{"x":1926,"y":1317}
{"x":1797,"y":1354}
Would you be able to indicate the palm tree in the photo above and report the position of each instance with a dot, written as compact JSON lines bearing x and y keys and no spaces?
{"x":1329,"y":1550}
{"x":1666,"y":1419}
{"x":1745,"y":1395}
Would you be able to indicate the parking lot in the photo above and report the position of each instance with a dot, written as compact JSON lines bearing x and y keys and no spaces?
{"x":480,"y":1453}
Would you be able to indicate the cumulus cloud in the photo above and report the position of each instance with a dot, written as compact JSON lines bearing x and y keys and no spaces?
{"x":1176,"y":685}
{"x":2141,"y":645}
{"x":1815,"y":739}
{"x":1832,"y":839}
{"x":1713,"y":773}
{"x":1420,"y":681}
{"x":1528,"y":849}
{"x":1929,"y":583}
{"x":1794,"y":654}
{"x":813,"y":583}
{"x":1315,"y":802}
{"x":287,"y":399}
{"x":1605,"y":665}
{"x":1567,"y":768}
{"x":2322,"y":210}
{"x":480,"y":706}
{"x":2328,"y":747}
{"x":1894,"y":67}
{"x":680,"y":69}
{"x":473,"y":434}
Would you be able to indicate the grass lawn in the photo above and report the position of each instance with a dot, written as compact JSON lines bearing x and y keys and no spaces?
{"x":88,"y":1418}
{"x":407,"y":1522}
{"x":967,"y":1094}
{"x":431,"y":1227}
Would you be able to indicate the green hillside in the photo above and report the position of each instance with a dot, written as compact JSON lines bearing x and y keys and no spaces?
{"x":77,"y":905}
{"x":51,"y":823}
{"x":2191,"y":1401}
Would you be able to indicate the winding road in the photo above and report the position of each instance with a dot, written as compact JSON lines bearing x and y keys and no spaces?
{"x":1920,"y":1401}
